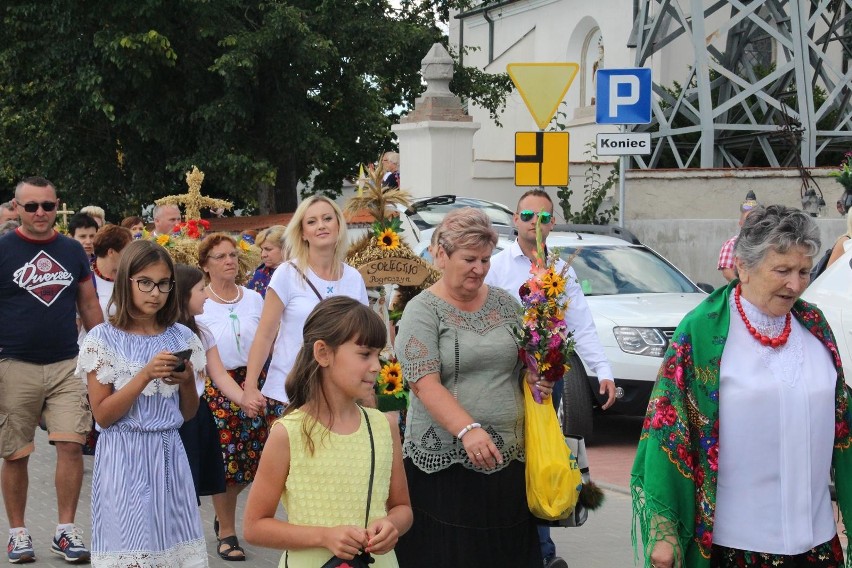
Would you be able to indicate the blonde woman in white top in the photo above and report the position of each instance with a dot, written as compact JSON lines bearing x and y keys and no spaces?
{"x":317,"y":241}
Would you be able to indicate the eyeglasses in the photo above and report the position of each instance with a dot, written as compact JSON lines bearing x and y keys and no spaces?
{"x":222,"y":256}
{"x":33,"y":206}
{"x":145,"y":285}
{"x":527,"y":215}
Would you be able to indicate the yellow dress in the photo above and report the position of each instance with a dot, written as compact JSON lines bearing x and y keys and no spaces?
{"x":329,"y":488}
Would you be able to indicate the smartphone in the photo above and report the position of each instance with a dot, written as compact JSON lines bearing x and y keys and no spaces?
{"x":181,"y":355}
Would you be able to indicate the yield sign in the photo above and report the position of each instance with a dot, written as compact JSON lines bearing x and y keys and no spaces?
{"x":542,"y":86}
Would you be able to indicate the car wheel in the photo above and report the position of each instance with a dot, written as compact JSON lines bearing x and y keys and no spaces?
{"x":577,"y":402}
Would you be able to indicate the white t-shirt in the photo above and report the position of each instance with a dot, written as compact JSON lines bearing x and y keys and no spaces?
{"x":233,"y":326}
{"x":103,"y":288}
{"x":299,"y":300}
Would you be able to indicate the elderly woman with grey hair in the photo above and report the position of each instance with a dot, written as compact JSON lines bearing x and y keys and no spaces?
{"x":464,"y":438}
{"x":748,"y":417}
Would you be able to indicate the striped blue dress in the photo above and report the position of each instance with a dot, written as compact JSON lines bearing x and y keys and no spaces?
{"x":144,"y":512}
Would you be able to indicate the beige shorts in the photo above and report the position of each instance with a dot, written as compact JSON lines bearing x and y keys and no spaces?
{"x":29,"y":391}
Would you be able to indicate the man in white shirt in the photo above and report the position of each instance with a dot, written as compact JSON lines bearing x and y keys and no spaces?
{"x":509,"y":269}
{"x":165,"y":219}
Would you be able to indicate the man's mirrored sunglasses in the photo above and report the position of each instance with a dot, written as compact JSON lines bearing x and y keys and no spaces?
{"x":527,"y":215}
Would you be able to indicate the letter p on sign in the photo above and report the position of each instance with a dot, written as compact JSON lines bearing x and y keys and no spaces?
{"x":623,"y":96}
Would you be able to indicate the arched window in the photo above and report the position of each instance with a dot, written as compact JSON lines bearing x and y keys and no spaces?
{"x":592,"y":59}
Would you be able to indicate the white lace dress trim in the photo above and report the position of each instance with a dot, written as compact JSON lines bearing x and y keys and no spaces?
{"x":184,"y":555}
{"x":114,"y":368}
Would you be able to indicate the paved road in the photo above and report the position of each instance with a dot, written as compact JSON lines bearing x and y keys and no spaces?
{"x":603,"y":542}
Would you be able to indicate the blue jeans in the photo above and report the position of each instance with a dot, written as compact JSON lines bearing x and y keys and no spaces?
{"x":548,"y":548}
{"x":557,"y":394}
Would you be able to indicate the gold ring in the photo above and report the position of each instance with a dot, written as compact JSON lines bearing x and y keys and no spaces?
{"x":478,"y":454}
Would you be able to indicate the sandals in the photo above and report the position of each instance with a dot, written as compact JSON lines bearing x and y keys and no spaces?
{"x":233,"y":545}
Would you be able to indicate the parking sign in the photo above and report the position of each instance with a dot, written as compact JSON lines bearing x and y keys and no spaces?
{"x":623,"y":96}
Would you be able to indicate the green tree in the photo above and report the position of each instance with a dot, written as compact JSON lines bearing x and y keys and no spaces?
{"x":115,"y":100}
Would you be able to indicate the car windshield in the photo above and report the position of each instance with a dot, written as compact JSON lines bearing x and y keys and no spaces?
{"x":625,"y":270}
{"x":431,"y":214}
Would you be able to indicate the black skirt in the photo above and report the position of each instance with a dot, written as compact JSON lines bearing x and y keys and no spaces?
{"x":470,"y":519}
{"x":201,"y":440}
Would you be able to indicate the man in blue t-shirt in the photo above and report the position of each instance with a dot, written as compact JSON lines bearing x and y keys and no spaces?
{"x":45,"y":280}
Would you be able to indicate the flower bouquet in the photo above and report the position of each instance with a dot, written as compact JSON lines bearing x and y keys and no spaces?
{"x":193,"y":228}
{"x":391,"y":388}
{"x":545,"y":341}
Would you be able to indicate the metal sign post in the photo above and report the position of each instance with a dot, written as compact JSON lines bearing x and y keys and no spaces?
{"x":623,"y":97}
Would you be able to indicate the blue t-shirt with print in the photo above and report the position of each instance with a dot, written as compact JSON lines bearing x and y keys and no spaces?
{"x":39,"y":281}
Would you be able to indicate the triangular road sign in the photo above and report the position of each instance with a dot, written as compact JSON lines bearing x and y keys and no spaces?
{"x":542,"y":86}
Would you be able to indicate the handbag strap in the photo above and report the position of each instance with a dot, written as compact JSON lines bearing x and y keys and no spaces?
{"x":372,"y":475}
{"x":372,"y":466}
{"x":311,"y":284}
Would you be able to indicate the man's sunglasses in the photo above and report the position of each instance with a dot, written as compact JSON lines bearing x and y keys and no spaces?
{"x":527,"y":215}
{"x":33,"y":206}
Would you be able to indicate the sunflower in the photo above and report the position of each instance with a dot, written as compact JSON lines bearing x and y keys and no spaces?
{"x":553,"y":284}
{"x":391,"y":387}
{"x":244,"y":246}
{"x":388,"y":240}
{"x":390,"y":379}
{"x":162,"y":240}
{"x":392,"y":371}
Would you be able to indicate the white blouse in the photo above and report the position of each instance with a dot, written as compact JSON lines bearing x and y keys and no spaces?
{"x":233,"y":326}
{"x":776,"y":434}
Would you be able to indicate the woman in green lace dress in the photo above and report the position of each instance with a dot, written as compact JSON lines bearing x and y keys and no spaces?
{"x":464,"y":439}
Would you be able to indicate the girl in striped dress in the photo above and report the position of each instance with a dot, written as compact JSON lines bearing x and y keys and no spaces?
{"x":144,"y":512}
{"x":317,"y":458}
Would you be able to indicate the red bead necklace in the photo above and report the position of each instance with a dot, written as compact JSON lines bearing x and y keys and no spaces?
{"x":98,"y":272}
{"x":764,"y":339}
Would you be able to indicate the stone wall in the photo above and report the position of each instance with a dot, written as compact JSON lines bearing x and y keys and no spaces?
{"x":693,"y":244}
{"x":717,"y":193}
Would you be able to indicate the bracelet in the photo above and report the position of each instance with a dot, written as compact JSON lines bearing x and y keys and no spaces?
{"x":467,"y":429}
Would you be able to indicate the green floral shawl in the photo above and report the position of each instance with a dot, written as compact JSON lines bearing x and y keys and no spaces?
{"x":673,"y":482}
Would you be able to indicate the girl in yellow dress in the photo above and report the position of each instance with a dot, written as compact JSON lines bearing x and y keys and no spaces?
{"x":318,"y":456}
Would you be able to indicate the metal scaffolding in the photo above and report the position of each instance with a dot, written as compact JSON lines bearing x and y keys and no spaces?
{"x":779,"y":56}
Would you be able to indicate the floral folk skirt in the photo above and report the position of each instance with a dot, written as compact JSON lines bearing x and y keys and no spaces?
{"x":274,"y":410}
{"x":240,"y":437}
{"x":826,"y":555}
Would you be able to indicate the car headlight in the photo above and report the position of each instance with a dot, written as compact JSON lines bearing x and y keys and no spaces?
{"x":648,"y":341}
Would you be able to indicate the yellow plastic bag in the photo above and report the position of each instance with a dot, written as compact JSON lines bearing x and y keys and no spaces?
{"x":553,"y":476}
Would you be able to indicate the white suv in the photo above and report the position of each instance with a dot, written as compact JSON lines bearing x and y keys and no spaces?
{"x":637,"y":298}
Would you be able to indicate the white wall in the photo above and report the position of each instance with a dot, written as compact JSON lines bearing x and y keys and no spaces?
{"x":541,"y":31}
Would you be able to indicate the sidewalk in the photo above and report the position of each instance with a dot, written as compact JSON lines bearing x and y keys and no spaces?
{"x":603,"y":542}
